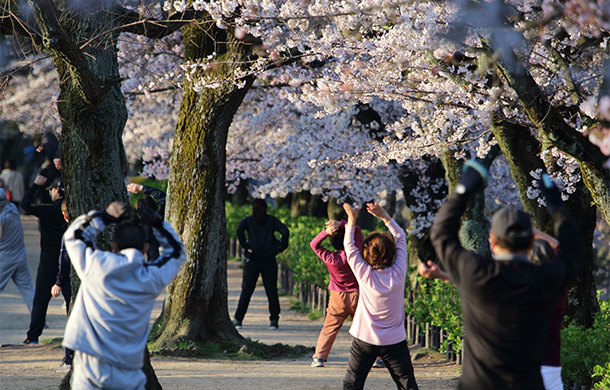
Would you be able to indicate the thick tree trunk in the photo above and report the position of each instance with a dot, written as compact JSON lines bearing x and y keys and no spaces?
{"x":93,"y":114}
{"x":517,"y":142}
{"x":196,"y":303}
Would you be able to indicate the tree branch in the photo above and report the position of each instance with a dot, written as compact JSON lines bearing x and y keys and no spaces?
{"x":60,"y":46}
{"x":133,"y":23}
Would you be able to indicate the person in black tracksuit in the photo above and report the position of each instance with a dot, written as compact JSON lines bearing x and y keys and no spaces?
{"x":506,"y":300}
{"x":260,"y":249}
{"x":52,"y":227}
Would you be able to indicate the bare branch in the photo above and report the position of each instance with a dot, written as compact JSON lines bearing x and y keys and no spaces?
{"x":132,"y":22}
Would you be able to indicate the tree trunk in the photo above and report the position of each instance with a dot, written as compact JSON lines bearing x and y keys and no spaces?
{"x":93,"y":114}
{"x":196,"y":304}
{"x":516,"y":142}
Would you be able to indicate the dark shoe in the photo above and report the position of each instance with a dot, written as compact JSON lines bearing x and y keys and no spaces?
{"x":237,"y":324}
{"x":273,"y":325}
{"x":30,"y":342}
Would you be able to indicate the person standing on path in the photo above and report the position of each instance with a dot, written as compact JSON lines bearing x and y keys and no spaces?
{"x":52,"y":226}
{"x":110,"y":321}
{"x":13,"y":181}
{"x":506,"y":300}
{"x":62,"y":285}
{"x":13,"y":259}
{"x":379,"y":323}
{"x":343,"y":286}
{"x":260,"y":249}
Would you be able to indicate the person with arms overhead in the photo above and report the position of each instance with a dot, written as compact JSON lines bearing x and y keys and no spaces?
{"x":110,"y":321}
{"x":379,"y":323}
{"x":506,"y":300}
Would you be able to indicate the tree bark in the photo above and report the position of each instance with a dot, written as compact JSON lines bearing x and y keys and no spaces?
{"x":196,"y":303}
{"x":92,"y":110}
{"x":551,"y":123}
{"x":516,"y":142}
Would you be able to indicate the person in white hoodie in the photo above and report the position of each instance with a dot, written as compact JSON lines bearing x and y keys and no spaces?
{"x":110,"y":319}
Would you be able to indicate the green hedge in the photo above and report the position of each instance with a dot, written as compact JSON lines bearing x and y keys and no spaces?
{"x":438,"y":303}
{"x":586,"y":352}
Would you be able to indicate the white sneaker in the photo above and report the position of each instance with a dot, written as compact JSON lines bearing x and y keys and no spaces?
{"x":317,"y":362}
{"x":64,"y":368}
{"x":379,"y":363}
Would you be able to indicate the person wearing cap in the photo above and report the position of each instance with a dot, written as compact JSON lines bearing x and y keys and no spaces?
{"x":52,"y":226}
{"x":506,"y":300}
{"x":13,"y":264}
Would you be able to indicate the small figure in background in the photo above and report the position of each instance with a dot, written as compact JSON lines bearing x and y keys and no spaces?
{"x":260,"y":249}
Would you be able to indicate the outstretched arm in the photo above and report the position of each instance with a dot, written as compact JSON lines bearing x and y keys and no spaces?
{"x":432,"y":271}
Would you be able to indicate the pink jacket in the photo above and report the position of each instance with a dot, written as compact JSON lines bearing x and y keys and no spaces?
{"x":379,"y":318}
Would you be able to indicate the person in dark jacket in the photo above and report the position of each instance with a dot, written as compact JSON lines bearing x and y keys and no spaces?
{"x":260,"y":249}
{"x":62,"y":285}
{"x":52,"y":226}
{"x":506,"y":300}
{"x":155,"y":199}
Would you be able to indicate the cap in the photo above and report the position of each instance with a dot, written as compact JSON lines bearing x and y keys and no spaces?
{"x":512,"y":226}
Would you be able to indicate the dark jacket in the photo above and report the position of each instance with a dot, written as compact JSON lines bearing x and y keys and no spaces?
{"x":261,"y":237}
{"x":63,"y":274}
{"x":506,"y":302}
{"x":153,"y":245}
{"x":51,"y":222}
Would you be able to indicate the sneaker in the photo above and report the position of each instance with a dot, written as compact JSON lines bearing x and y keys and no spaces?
{"x":30,"y":342}
{"x":379,"y":363}
{"x":237,"y":324}
{"x":317,"y":362}
{"x":273,"y":325}
{"x":64,"y":367}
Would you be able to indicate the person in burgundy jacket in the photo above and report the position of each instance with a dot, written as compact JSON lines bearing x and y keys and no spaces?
{"x":343,"y":286}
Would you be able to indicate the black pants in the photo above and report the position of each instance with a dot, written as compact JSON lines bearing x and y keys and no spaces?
{"x":46,"y":275}
{"x":267,"y":268}
{"x":396,"y":358}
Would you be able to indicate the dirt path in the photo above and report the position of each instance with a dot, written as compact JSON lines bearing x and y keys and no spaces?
{"x":33,"y":367}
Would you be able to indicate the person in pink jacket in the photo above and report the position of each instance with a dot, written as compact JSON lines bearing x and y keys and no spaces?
{"x":378,"y":327}
{"x":343,"y":286}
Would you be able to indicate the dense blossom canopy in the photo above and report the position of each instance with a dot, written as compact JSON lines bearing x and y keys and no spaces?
{"x":424,"y":67}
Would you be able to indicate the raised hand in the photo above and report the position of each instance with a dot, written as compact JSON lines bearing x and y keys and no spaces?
{"x":135,"y":188}
{"x":378,"y":211}
{"x":117,"y":209}
{"x":352,"y":213}
{"x":332,"y":227}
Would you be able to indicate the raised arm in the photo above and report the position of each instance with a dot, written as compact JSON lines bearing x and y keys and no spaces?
{"x":80,"y":237}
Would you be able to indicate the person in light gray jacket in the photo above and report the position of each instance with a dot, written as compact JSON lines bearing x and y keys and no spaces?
{"x":13,"y":259}
{"x":109,"y":323}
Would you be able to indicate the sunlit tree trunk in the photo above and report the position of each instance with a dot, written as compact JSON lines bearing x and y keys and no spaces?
{"x":196,"y":304}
